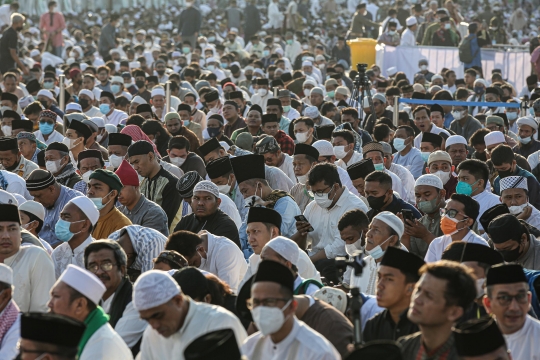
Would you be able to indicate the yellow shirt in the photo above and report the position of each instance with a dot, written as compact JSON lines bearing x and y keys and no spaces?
{"x":109,"y":223}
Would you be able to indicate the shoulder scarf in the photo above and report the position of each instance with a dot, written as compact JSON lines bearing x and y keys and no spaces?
{"x":274,"y":196}
{"x":93,"y":322}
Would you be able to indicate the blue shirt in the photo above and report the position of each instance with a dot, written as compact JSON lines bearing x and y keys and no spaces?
{"x":288,"y":209}
{"x":53,"y":213}
{"x":412,"y":162}
{"x":448,"y":118}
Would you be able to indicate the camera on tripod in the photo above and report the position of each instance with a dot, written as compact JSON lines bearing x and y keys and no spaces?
{"x":357,"y":263}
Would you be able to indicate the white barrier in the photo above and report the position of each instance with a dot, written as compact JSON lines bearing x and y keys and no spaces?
{"x":515,"y":65}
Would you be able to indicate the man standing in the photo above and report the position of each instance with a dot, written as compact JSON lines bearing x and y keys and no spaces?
{"x":74,"y":229}
{"x":76,"y":294}
{"x":509,"y":299}
{"x":441,"y":296}
{"x":360,"y":22}
{"x":189,"y":23}
{"x":32,"y":267}
{"x":107,"y":39}
{"x":52,"y":24}
{"x":252,"y":19}
{"x":9,"y":46}
{"x":175,"y":320}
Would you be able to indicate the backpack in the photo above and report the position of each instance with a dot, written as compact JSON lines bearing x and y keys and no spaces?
{"x":465,"y":54}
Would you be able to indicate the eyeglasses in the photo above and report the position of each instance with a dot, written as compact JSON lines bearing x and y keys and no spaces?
{"x":505,"y":300}
{"x":451,"y":213}
{"x":269,"y":302}
{"x":320,"y":193}
{"x":104,"y":267}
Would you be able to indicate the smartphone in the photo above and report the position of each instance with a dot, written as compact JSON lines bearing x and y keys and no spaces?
{"x":407,"y":214}
{"x":303,"y":218}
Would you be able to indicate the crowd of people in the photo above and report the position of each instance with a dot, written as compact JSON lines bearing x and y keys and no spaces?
{"x":203,"y":183}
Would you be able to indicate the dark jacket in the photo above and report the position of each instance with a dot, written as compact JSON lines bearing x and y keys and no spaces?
{"x":527,"y":149}
{"x":369,"y":123}
{"x":218,"y":223}
{"x":190,"y":21}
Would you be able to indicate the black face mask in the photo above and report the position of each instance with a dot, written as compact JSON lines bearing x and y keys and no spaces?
{"x":505,"y":98}
{"x":510,"y":255}
{"x":249,"y":77}
{"x":140,"y":83}
{"x":506,"y":173}
{"x":161,"y":72}
{"x":376,"y":203}
{"x":44,"y":103}
{"x":84,"y":103}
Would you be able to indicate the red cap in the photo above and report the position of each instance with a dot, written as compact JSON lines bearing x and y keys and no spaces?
{"x":73,"y":72}
{"x":127,"y":174}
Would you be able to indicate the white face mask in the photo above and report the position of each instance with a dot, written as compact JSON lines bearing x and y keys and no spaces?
{"x":355,"y":248}
{"x":99,"y":138}
{"x":323,"y":200}
{"x":301,"y":137}
{"x":262,"y":92}
{"x":302,"y":179}
{"x":269,"y":319}
{"x":423,"y":67}
{"x":6,"y":129}
{"x":457,"y":114}
{"x":86,"y":176}
{"x":307,"y":92}
{"x":255,"y":199}
{"x":53,"y":166}
{"x":70,"y":143}
{"x":225,"y":189}
{"x":516,"y":210}
{"x":443,"y":175}
{"x":340,"y":152}
{"x":178,"y":161}
{"x":115,"y":161}
{"x":480,"y":287}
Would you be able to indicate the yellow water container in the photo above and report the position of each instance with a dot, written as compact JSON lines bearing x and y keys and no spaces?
{"x":362,"y":51}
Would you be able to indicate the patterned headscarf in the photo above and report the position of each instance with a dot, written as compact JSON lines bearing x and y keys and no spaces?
{"x":137,"y":134}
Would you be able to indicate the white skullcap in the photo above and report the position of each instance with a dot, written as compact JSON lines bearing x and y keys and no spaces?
{"x":324,"y":147}
{"x":439,"y":155}
{"x":411,"y":20}
{"x":207,"y":186}
{"x":258,"y":71}
{"x":6,"y":274}
{"x":514,"y":182}
{"x":343,"y":90}
{"x":307,"y":63}
{"x":34,"y":52}
{"x":84,"y":282}
{"x":494,"y":137}
{"x":317,"y":90}
{"x":98,"y":121}
{"x":157,"y":91}
{"x":211,"y":59}
{"x":25,"y":101}
{"x":249,"y":68}
{"x":134,"y":65}
{"x":87,"y":207}
{"x":111,"y":129}
{"x":309,"y":82}
{"x":152,"y":289}
{"x":117,"y":79}
{"x":312,"y":112}
{"x":88,"y":93}
{"x":138,"y":100}
{"x":83,"y":66}
{"x":320,"y":58}
{"x":456,"y":139}
{"x":46,"y":93}
{"x":34,"y":208}
{"x":391,"y":71}
{"x":436,"y":77}
{"x":176,"y":54}
{"x":380,"y":97}
{"x":479,"y":81}
{"x":8,"y":198}
{"x":429,"y":180}
{"x":332,"y":296}
{"x":527,"y":120}
{"x":287,"y":248}
{"x":279,"y":51}
{"x":391,"y":220}
{"x":434,"y":88}
{"x":224,"y":145}
{"x":419,"y":87}
{"x":73,"y":106}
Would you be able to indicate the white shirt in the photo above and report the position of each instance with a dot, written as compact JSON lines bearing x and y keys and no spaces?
{"x":55,"y":136}
{"x":225,"y":260}
{"x":63,"y":256}
{"x":523,"y":344}
{"x":534,"y":159}
{"x":311,"y":288}
{"x":408,"y":38}
{"x":9,"y":346}
{"x":356,"y":157}
{"x":201,"y":319}
{"x":439,"y":244}
{"x":407,"y":180}
{"x":397,"y":185}
{"x":277,"y":179}
{"x":5,"y":15}
{"x":287,"y":167}
{"x":534,"y":219}
{"x":93,"y":112}
{"x":130,"y":326}
{"x":33,"y":278}
{"x":303,"y":341}
{"x":486,"y":200}
{"x":228,"y":207}
{"x":115,"y":118}
{"x":16,"y":184}
{"x":261,"y":101}
{"x":292,"y":114}
{"x":347,"y":182}
{"x":434,"y":130}
{"x":324,"y":222}
{"x":367,"y":282}
{"x":105,"y":343}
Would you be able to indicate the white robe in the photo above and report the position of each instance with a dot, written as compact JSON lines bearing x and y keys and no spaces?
{"x":523,"y":344}
{"x":105,"y":343}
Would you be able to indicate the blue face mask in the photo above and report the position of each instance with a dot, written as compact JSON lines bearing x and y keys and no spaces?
{"x":465,"y":188}
{"x":399,"y":144}
{"x":266,"y":53}
{"x":379,"y":167}
{"x":186,"y":122}
{"x":99,"y":202}
{"x":213,"y":132}
{"x":425,"y":156}
{"x":62,"y":232}
{"x":115,"y":89}
{"x":479,"y":90}
{"x":224,"y":65}
{"x":46,"y":128}
{"x":104,"y":108}
{"x":531,"y":111}
{"x":524,"y":140}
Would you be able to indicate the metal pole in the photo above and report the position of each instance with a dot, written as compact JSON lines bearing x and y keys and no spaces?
{"x":396,"y":110}
{"x":167,"y":97}
{"x":62,"y":93}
